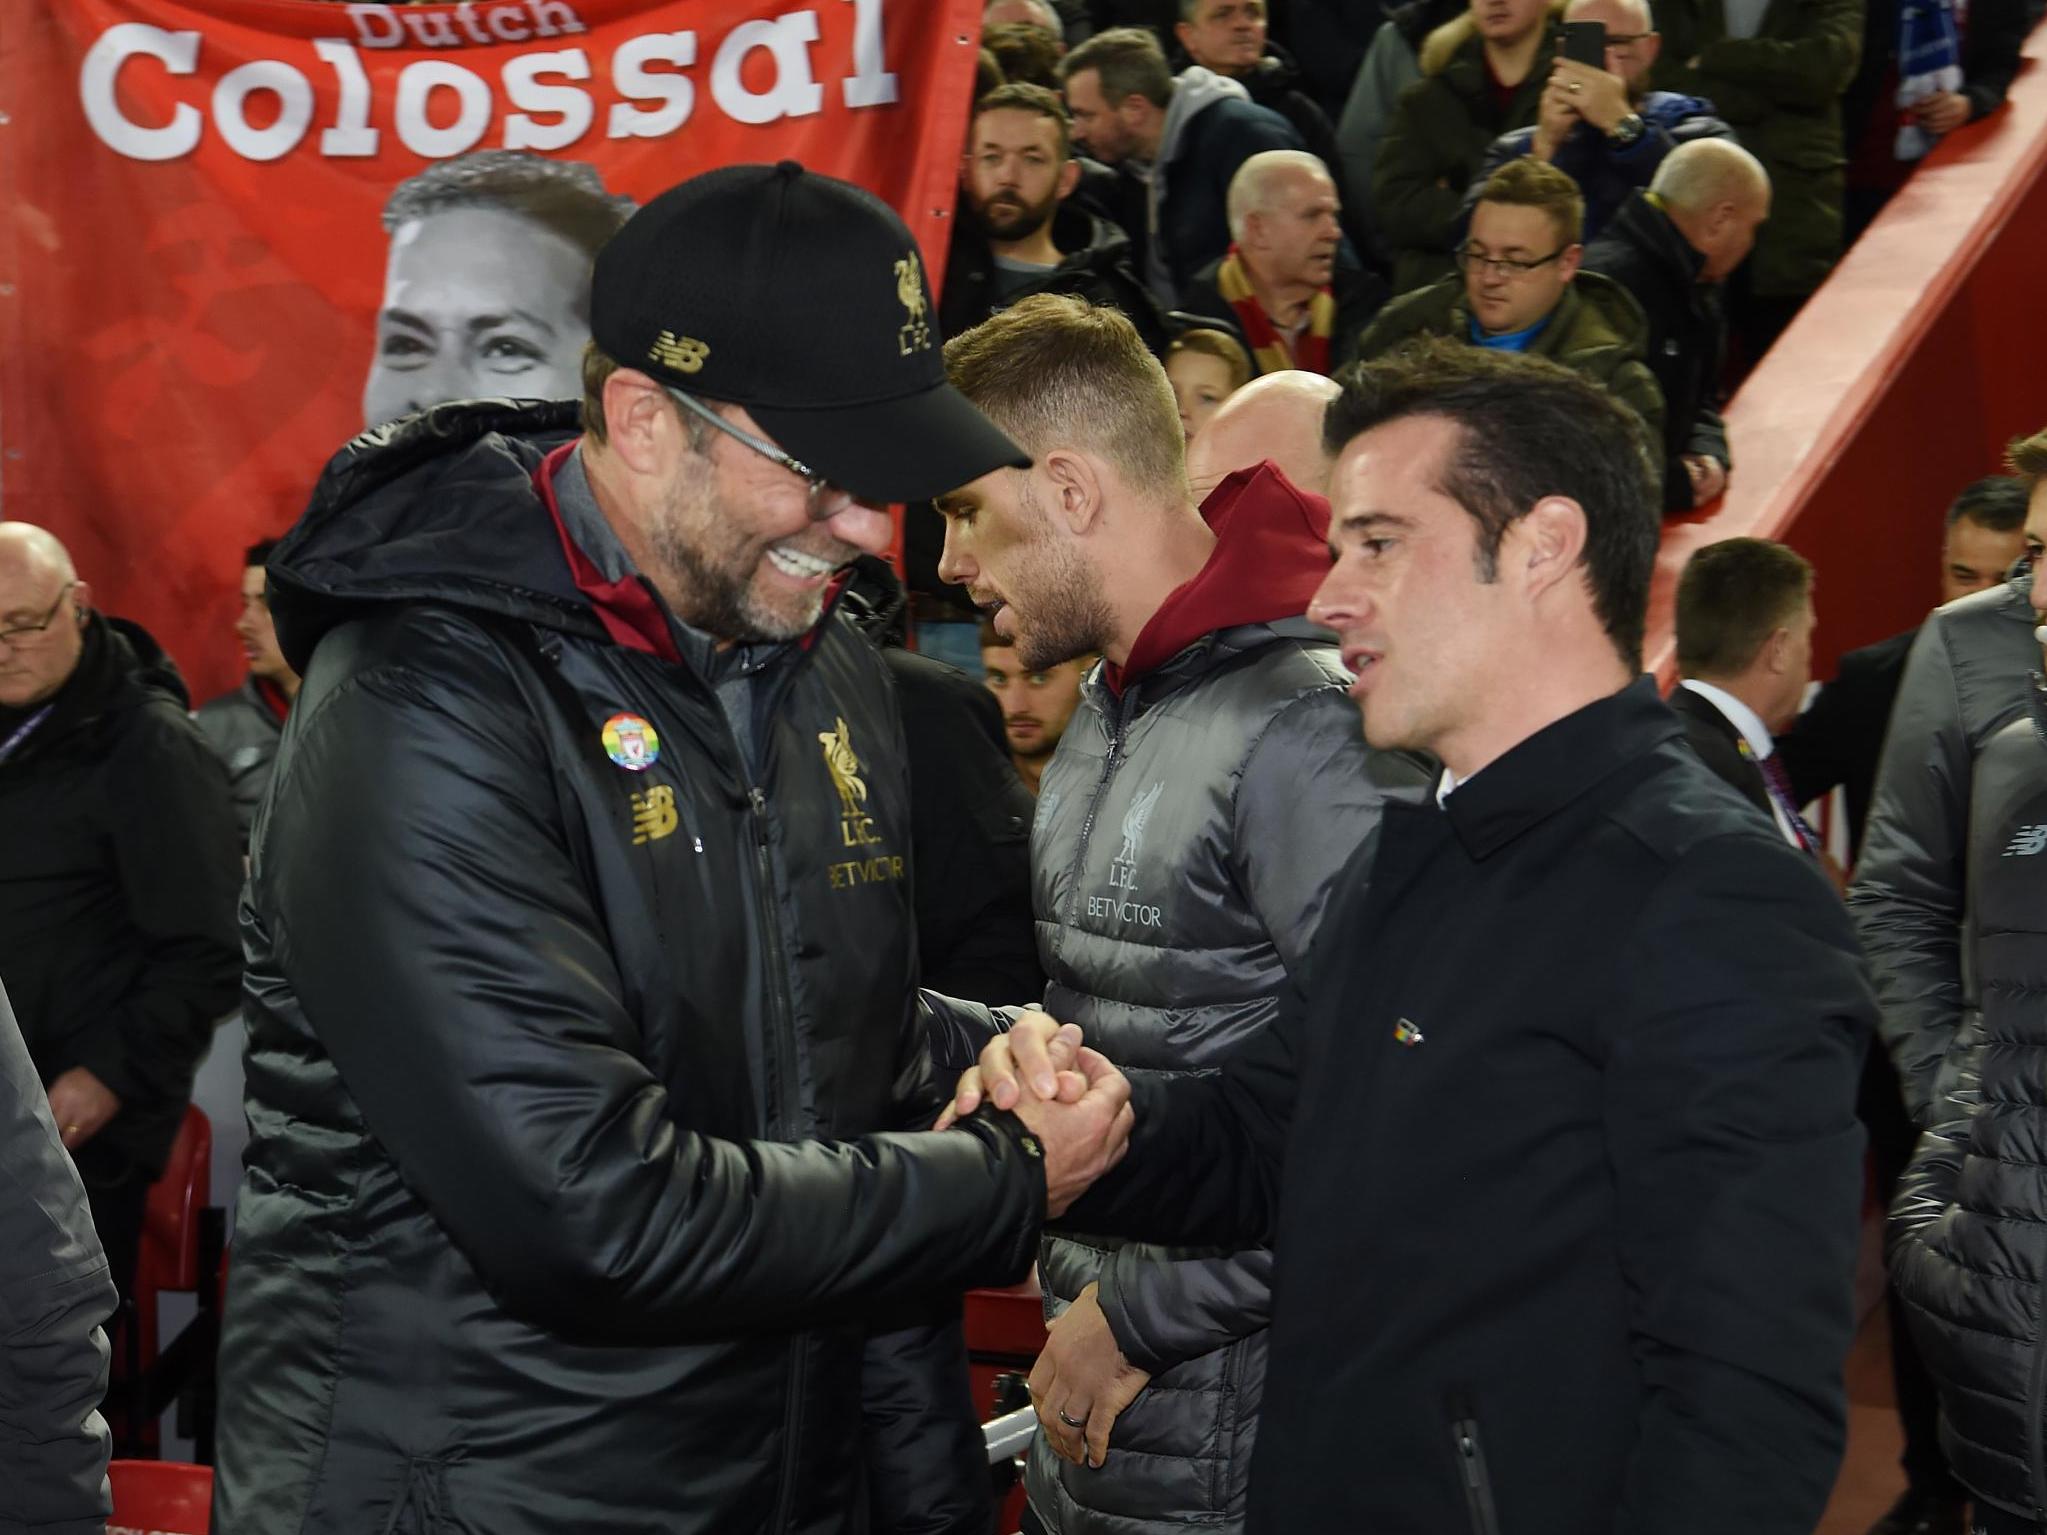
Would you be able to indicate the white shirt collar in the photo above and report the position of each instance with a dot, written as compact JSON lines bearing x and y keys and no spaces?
{"x":1739,"y":715}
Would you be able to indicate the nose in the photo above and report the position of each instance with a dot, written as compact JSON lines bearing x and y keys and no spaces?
{"x":866,"y":529}
{"x":954,"y":568}
{"x":1337,"y":602}
{"x":2040,"y":585}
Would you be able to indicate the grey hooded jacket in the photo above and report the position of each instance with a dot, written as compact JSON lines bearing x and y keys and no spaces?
{"x":1966,"y":1243}
{"x":54,"y":1295}
{"x":1188,"y":837}
{"x":1965,"y":679}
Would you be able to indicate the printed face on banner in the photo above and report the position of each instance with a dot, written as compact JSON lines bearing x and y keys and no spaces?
{"x":222,"y":277}
{"x":478,"y":303}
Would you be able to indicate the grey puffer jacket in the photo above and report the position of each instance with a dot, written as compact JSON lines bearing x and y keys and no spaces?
{"x":1965,"y":679}
{"x":243,"y":732}
{"x":1969,"y":1227}
{"x":1188,"y":837}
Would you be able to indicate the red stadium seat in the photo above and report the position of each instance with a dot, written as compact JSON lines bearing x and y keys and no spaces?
{"x":160,"y":1497}
{"x":180,"y":1252}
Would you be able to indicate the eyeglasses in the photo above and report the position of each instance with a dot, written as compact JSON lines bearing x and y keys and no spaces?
{"x":30,"y":634}
{"x":1626,"y":39}
{"x":826,"y":499}
{"x":1503,"y":266}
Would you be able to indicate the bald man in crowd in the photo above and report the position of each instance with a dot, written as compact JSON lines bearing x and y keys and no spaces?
{"x":1283,"y":282}
{"x":1277,"y":418}
{"x":118,"y":886}
{"x":1673,"y":248}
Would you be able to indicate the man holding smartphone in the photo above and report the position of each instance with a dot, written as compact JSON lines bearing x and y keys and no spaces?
{"x":1598,"y":122}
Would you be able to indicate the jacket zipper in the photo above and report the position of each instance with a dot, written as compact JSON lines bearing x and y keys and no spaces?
{"x":1125,"y":707}
{"x":781,"y":1082}
{"x":1478,"y":1485}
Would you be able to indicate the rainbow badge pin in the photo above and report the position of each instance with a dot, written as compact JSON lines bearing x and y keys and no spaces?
{"x":1405,"y":1033}
{"x":631,"y":742}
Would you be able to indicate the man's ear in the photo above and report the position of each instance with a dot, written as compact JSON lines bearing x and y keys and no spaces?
{"x":1076,"y":483}
{"x":639,"y":420}
{"x":1069,"y":178}
{"x":81,"y":601}
{"x":1552,"y":543}
{"x":1776,"y":653}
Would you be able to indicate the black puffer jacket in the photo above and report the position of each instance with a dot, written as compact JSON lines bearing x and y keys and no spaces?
{"x":566,"y":1205}
{"x":1969,"y":1226}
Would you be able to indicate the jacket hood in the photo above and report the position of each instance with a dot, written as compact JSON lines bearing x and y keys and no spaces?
{"x":438,"y":507}
{"x":1088,"y":239}
{"x":1650,"y":230}
{"x":1195,"y":90}
{"x":1271,"y":552}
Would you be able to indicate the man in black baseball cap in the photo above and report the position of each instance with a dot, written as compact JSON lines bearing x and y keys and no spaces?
{"x":581,"y":976}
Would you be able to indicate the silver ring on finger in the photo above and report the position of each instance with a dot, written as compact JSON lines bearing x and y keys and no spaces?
{"x":1071,"y":1422}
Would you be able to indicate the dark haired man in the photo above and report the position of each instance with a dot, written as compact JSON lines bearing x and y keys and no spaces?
{"x":1185,"y":133}
{"x":243,"y":726}
{"x":1744,"y":648}
{"x":1019,"y":233}
{"x":487,"y":289}
{"x":1554,"y":1138}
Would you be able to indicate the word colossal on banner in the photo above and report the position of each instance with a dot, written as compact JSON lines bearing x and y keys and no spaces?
{"x":234,"y":232}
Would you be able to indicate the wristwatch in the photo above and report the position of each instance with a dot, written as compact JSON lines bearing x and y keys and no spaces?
{"x":1628,"y":131}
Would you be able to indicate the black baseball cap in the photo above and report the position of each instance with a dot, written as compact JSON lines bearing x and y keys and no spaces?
{"x":803,"y":299}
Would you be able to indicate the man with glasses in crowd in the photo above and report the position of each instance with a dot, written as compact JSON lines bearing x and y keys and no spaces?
{"x":1604,"y":128}
{"x":117,"y":880}
{"x":580,"y":937}
{"x":1521,"y":291}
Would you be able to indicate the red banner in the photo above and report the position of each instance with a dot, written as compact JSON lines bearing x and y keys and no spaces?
{"x":233,"y":232}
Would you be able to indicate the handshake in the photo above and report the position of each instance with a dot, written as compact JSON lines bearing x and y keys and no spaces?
{"x":1071,"y":1099}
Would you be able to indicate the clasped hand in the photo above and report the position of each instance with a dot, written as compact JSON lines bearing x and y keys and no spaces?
{"x":1072,"y":1100}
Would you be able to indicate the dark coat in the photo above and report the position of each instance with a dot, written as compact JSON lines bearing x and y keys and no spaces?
{"x":1992,"y":36}
{"x":970,"y":814}
{"x":1565,"y":1207}
{"x":1965,"y":677}
{"x":1434,"y":143}
{"x":1643,"y":252}
{"x":1097,"y":267}
{"x":1965,"y":1227}
{"x":55,"y":1294}
{"x":1194,"y":221}
{"x":118,"y":873}
{"x":1714,"y":737}
{"x":243,"y":731}
{"x":1597,"y":329}
{"x":1781,"y":92}
{"x":1608,"y":175}
{"x":567,"y":1204}
{"x":1359,"y":296}
{"x":1839,"y":738}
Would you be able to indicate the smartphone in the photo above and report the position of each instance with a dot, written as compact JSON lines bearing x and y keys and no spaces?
{"x":1585,"y":41}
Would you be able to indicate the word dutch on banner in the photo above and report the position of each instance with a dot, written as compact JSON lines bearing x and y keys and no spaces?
{"x":238,"y":231}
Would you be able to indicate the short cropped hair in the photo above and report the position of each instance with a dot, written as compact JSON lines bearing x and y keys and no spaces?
{"x":1055,"y":371}
{"x":1129,"y":61}
{"x":1018,"y":96}
{"x":1732,"y":596}
{"x":2027,"y":458}
{"x":566,"y":197}
{"x":1028,"y":54}
{"x":1529,"y":183}
{"x":1996,"y":502}
{"x":1527,"y":428}
{"x":258,"y":553}
{"x":1219,"y":344}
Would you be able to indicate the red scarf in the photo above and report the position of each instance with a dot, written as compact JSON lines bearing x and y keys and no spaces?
{"x":1310,"y":353}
